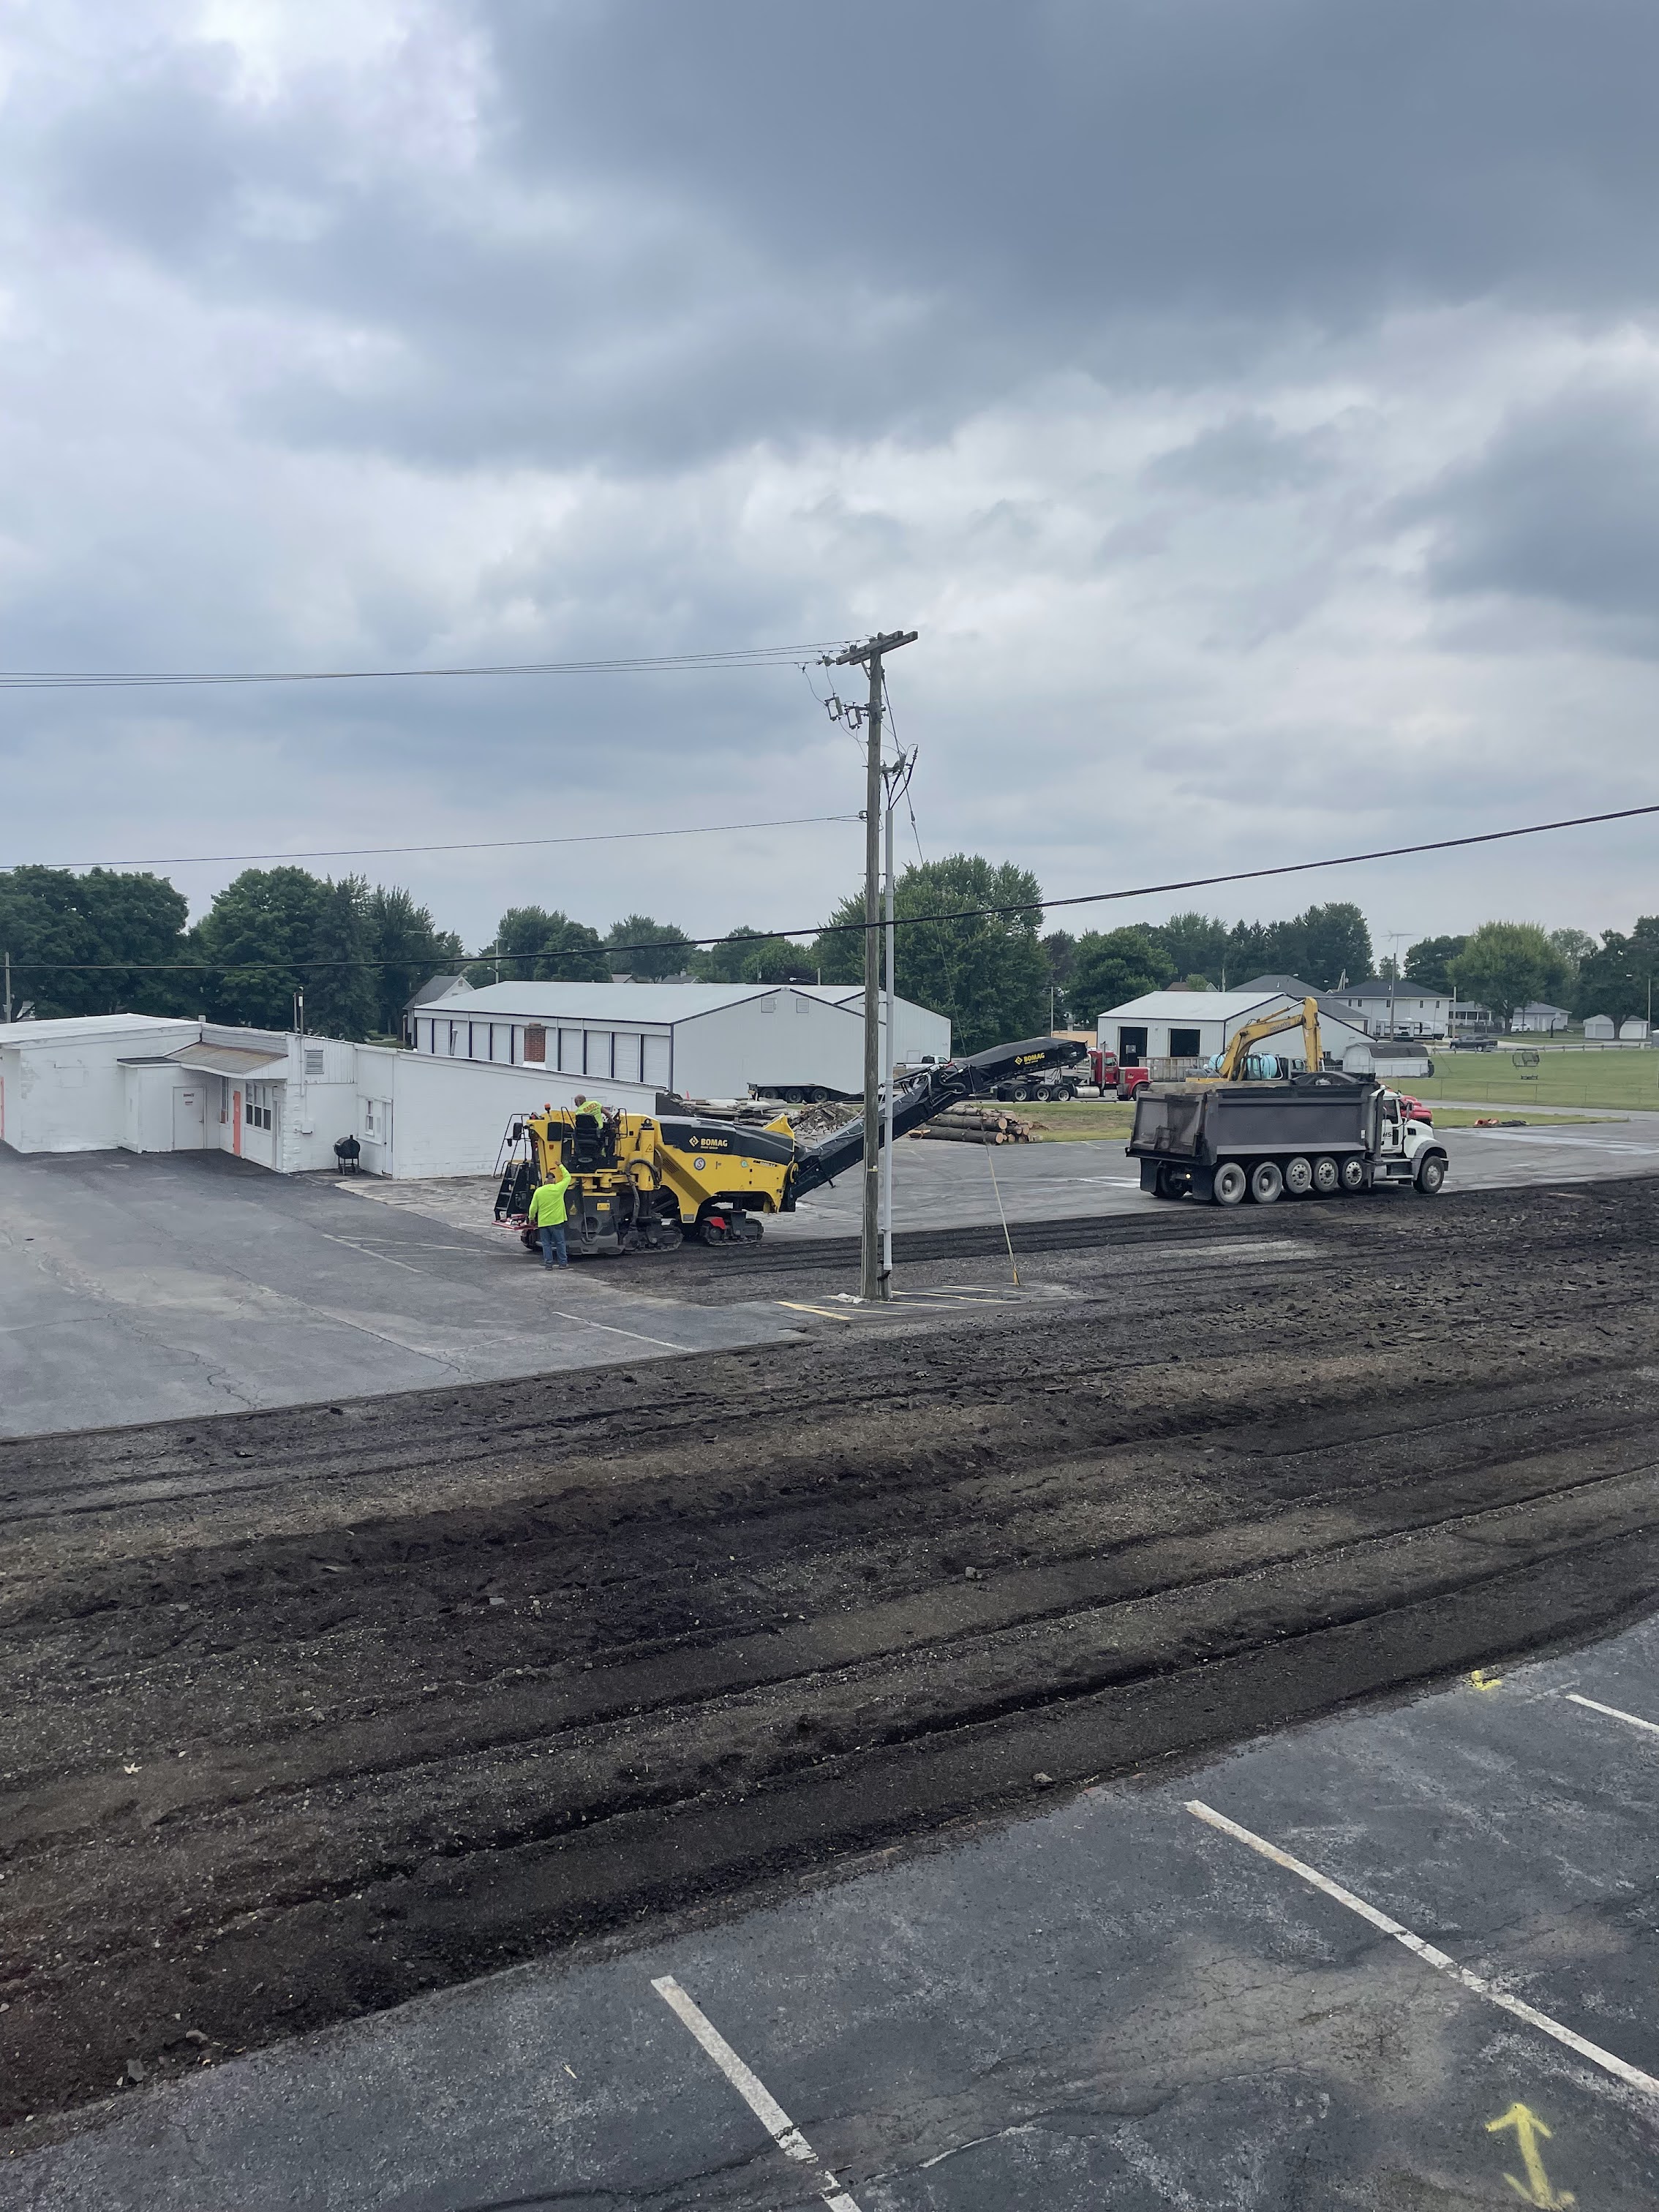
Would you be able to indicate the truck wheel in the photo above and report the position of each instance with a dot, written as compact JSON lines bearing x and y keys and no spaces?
{"x":1352,"y":1173}
{"x":1325,"y":1177}
{"x":1299,"y":1177}
{"x":1229,"y":1183}
{"x":1267,"y":1183}
{"x":1430,"y":1176}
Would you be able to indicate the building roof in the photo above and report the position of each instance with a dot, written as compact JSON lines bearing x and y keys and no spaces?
{"x":69,"y":1028}
{"x":227,"y":1059}
{"x":1543,"y":1006}
{"x":607,"y":1002}
{"x":438,"y":986}
{"x":1187,"y":1007}
{"x":1378,"y":987}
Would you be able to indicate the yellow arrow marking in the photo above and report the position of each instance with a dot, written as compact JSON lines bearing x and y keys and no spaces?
{"x":1536,"y":2190}
{"x":1483,"y":1680}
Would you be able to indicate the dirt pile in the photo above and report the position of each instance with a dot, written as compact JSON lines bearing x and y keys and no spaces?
{"x":307,"y":1711}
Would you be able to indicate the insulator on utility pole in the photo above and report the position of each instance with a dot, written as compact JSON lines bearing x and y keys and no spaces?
{"x":872,"y":1283}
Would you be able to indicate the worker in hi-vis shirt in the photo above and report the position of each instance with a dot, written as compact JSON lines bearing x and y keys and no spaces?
{"x":547,"y":1214}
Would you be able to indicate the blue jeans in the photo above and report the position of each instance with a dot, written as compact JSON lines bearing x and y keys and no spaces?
{"x":552,"y":1235}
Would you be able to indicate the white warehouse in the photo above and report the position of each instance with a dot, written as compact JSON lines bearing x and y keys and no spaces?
{"x":139,"y":1083}
{"x":701,"y":1040}
{"x":1196,"y":1024}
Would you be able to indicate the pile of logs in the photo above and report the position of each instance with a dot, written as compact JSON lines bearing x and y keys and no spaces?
{"x":976,"y":1124}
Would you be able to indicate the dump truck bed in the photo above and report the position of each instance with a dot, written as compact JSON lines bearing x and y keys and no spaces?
{"x":1202,"y":1124}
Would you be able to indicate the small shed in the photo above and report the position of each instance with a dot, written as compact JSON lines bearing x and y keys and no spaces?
{"x":1634,"y":1032}
{"x":1599,"y":1028}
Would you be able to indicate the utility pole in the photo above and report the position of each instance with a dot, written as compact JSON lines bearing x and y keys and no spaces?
{"x":872,"y":1285}
{"x":9,"y":988}
{"x":888,"y":934}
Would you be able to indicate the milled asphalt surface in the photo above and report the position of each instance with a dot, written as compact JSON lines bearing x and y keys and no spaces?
{"x":139,"y":1288}
{"x":1111,"y":2005}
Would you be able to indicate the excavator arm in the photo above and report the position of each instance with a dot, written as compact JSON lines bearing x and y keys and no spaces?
{"x":1305,"y":1017}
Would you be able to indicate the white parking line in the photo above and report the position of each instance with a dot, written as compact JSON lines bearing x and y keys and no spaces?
{"x":1620,"y":2068}
{"x":1552,"y":1137}
{"x":753,"y":2091}
{"x":1614,"y":1713}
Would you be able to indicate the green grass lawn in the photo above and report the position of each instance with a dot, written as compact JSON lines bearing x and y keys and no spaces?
{"x":1560,"y":1079}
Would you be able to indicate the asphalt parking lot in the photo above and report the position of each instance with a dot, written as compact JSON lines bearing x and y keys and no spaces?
{"x":136,"y":1289}
{"x":1443,"y":1994}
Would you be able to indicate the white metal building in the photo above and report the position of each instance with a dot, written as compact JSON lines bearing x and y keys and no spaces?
{"x":1195,"y":1025}
{"x":1599,"y":1028}
{"x":701,"y":1040}
{"x":137,"y":1083}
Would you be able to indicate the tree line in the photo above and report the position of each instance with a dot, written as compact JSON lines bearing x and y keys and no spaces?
{"x":105,"y":940}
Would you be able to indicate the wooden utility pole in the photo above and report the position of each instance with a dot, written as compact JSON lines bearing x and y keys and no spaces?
{"x":873,"y":1284}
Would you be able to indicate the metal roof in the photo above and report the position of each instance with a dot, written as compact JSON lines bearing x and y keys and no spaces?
{"x":228,"y":1059}
{"x":68,"y":1027}
{"x":1186,"y":1007}
{"x":602,"y":1002}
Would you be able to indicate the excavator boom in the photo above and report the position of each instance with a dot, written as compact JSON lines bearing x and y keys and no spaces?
{"x":1305,"y":1016}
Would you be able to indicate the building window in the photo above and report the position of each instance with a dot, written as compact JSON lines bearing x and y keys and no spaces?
{"x":256,"y":1112}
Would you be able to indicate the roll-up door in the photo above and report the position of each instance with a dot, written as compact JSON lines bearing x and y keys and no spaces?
{"x":597,"y":1046}
{"x":656,"y":1062}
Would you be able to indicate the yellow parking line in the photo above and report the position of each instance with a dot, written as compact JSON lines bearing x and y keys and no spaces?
{"x":795,"y":1306}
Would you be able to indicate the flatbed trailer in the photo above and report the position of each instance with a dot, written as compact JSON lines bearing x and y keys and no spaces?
{"x":1305,"y":1136}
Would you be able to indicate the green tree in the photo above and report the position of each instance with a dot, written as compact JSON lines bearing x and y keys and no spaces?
{"x":1196,"y":945}
{"x":1060,"y":949}
{"x":258,"y":937}
{"x":750,"y":957}
{"x":987,"y":973}
{"x":342,"y":999}
{"x":1329,"y":942}
{"x":1429,"y":961}
{"x":669,"y":947}
{"x":408,"y":949}
{"x":1575,"y":947}
{"x":1253,"y":949}
{"x":1115,"y":966}
{"x":69,"y":935}
{"x":537,"y":946}
{"x":1505,"y":965}
{"x":1615,"y":978}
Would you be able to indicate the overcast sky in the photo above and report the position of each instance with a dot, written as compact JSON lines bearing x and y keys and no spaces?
{"x":1254,"y":405}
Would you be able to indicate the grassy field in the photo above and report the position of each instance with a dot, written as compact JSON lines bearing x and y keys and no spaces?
{"x":1560,"y":1079}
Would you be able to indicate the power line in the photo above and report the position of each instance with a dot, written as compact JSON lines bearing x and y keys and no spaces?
{"x":478,"y":845}
{"x":903,"y":921}
{"x":758,"y":656}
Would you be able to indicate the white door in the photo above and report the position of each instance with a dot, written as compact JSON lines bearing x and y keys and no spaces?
{"x":190,"y":1118}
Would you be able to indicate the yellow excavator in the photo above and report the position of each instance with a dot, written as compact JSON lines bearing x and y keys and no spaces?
{"x":1231,"y":1065}
{"x":643,"y":1183}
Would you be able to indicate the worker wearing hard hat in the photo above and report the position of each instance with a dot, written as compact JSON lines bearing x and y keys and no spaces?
{"x":547,"y":1214}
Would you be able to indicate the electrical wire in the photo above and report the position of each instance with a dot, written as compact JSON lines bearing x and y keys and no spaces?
{"x":759,"y":656}
{"x":476,"y":845}
{"x":903,"y":921}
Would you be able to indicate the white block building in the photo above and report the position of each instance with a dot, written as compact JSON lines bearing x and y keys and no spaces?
{"x":1196,"y":1024}
{"x":141,"y":1084}
{"x":701,"y":1040}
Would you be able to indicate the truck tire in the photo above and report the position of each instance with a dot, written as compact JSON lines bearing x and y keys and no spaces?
{"x":1299,"y":1176}
{"x":1327,"y":1177}
{"x":1352,"y":1173}
{"x":1430,"y":1174}
{"x":1267,"y":1183}
{"x":1231,"y":1183}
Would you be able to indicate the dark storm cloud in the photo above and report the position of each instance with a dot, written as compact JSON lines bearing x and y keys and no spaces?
{"x":1563,"y":507}
{"x":758,"y":220}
